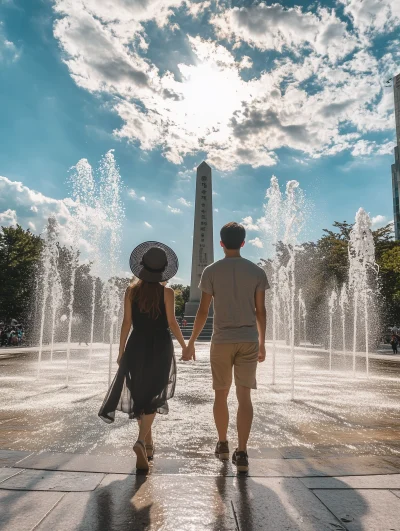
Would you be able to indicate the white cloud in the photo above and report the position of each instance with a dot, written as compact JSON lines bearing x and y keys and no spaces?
{"x":9,"y":53}
{"x":274,"y":27}
{"x":379,"y":221}
{"x":34,"y":208}
{"x":148,"y":225}
{"x":174,"y":210}
{"x":184,"y":202}
{"x":8,"y":218}
{"x":373,"y":16}
{"x":249,"y":224}
{"x":133,"y":195}
{"x":326,"y":78}
{"x":216,"y":210}
{"x":256,"y":242}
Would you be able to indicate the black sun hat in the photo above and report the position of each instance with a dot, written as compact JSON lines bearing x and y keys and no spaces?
{"x":153,"y":262}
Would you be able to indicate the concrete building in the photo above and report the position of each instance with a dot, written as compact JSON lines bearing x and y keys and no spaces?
{"x":203,"y":247}
{"x":396,"y":165}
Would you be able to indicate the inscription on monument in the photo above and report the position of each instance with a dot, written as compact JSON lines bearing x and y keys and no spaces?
{"x":203,"y":251}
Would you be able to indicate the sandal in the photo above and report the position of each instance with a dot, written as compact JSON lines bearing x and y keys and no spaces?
{"x":142,"y":462}
{"x":150,"y":451}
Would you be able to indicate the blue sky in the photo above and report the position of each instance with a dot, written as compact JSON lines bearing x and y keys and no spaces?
{"x":255,"y":88}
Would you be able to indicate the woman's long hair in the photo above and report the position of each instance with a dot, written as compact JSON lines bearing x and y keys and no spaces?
{"x":148,"y":296}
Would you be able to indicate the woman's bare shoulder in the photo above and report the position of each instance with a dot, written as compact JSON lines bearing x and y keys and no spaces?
{"x":169,"y":291}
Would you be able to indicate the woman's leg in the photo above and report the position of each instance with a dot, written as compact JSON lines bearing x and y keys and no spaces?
{"x":145,"y":426}
{"x":149,"y":436}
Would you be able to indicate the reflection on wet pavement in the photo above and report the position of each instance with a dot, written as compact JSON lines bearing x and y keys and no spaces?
{"x":333,"y":413}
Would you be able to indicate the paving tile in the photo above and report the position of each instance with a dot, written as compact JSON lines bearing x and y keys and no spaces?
{"x":273,"y":504}
{"x":362,"y":510}
{"x":264,"y":453}
{"x":53,"y":481}
{"x":355,"y":466}
{"x":165,"y":502}
{"x":22,"y":511}
{"x":396,"y":493}
{"x":11,"y":457}
{"x":6,"y":473}
{"x":296,"y":452}
{"x":80,"y":463}
{"x":390,"y":481}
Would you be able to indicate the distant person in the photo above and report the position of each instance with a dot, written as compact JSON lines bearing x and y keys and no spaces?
{"x":184,"y":323}
{"x":238,"y":288}
{"x":394,"y":343}
{"x":146,"y":377}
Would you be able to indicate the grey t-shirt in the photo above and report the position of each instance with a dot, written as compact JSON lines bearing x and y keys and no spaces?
{"x":233,"y":283}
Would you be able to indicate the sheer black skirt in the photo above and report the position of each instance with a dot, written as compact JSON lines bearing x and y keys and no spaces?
{"x":146,"y":376}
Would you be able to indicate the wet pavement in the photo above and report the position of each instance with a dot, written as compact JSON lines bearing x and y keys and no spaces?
{"x":330,"y":459}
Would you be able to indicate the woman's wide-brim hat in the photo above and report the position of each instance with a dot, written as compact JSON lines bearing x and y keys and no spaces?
{"x":153,"y":262}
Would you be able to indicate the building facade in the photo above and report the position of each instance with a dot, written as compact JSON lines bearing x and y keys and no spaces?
{"x":396,"y":165}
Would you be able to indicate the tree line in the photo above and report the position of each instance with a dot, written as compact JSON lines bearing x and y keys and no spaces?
{"x":320,"y":267}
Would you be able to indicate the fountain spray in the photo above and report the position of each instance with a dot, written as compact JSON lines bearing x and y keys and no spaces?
{"x":272,"y":225}
{"x":294,"y":219}
{"x":332,"y":308}
{"x":343,"y":303}
{"x":111,"y":205}
{"x":362,"y":261}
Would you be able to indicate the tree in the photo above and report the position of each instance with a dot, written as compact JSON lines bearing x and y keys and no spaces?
{"x":182,"y":294}
{"x":19,"y":258}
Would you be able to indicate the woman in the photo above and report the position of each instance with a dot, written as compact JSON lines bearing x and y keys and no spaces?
{"x":146,"y":377}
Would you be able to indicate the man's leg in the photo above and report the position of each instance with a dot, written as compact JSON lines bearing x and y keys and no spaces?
{"x":244,"y":416}
{"x":245,"y":365}
{"x":221,"y":368}
{"x":221,"y":413}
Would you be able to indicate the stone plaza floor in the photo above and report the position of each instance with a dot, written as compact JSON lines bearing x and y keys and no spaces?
{"x":328,"y":460}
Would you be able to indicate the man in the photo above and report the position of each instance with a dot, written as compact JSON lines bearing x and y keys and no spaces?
{"x":238,"y":288}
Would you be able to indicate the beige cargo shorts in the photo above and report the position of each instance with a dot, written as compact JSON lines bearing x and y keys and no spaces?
{"x":243,"y":357}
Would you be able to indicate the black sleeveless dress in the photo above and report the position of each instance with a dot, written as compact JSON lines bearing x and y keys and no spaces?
{"x":146,"y":376}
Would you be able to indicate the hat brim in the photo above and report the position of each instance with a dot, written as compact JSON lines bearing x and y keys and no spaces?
{"x":140,"y":272}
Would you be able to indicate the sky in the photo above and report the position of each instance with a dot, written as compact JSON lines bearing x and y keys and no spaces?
{"x":256,"y":89}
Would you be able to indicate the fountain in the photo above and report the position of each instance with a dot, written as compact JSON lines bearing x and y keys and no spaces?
{"x":111,"y":204}
{"x":332,"y":307}
{"x":362,"y":263}
{"x":272,"y":217}
{"x":293,"y":218}
{"x":343,"y":304}
{"x":96,"y":213}
{"x":302,"y":315}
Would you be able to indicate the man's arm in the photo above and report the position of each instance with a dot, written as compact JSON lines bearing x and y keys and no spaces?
{"x":261,"y":317}
{"x":199,"y":322}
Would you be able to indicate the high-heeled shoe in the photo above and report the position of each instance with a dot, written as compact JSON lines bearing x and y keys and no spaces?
{"x":150,"y":451}
{"x":142,"y":463}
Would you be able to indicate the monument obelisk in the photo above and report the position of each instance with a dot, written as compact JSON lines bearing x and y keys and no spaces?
{"x":203,"y":245}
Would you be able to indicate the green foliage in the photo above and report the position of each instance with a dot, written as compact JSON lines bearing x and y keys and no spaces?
{"x":19,"y":258}
{"x":182,"y":294}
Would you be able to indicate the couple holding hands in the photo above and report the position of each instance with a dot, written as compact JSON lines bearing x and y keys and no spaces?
{"x":146,"y":376}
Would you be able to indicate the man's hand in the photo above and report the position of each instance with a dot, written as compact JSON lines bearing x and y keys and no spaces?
{"x":261,"y":354}
{"x":189,"y":352}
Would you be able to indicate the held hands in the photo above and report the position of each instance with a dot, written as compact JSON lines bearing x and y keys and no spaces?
{"x":188,"y":353}
{"x":261,"y":354}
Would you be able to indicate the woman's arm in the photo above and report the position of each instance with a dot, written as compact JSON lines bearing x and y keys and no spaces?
{"x":172,"y":322}
{"x":126,"y":323}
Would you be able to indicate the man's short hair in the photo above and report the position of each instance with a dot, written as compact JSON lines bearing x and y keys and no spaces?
{"x":233,"y":235}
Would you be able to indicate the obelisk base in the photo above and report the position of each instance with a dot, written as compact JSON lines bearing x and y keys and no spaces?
{"x":191,"y":308}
